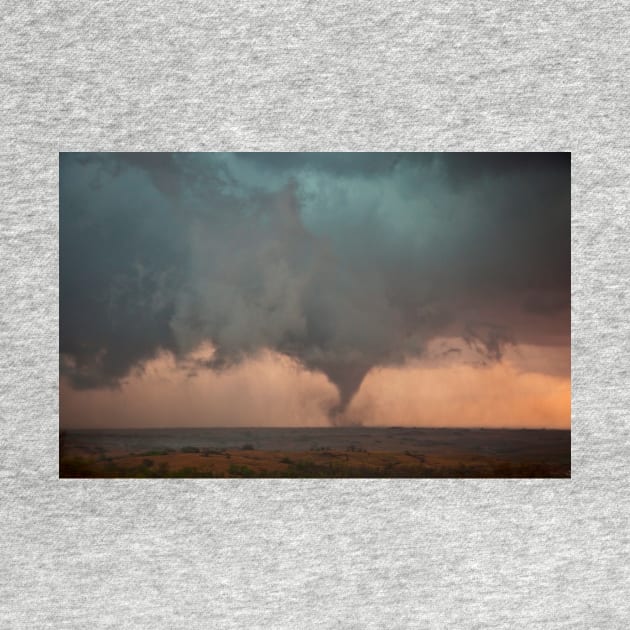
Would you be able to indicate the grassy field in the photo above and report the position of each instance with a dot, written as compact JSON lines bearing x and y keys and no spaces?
{"x":437,"y":460}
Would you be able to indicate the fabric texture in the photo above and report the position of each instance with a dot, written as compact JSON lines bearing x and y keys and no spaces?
{"x":210,"y":76}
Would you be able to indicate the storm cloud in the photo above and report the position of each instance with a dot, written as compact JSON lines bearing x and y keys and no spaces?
{"x":342,"y":262}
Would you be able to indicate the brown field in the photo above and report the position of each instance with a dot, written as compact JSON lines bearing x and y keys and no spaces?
{"x":392,"y":453}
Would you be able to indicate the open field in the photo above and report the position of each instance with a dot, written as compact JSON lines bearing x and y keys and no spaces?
{"x":335,"y":452}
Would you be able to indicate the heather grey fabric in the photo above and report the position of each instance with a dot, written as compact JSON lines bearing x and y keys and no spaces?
{"x":313,"y":554}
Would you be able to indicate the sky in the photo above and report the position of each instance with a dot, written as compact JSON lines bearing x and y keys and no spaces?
{"x":315,"y":289}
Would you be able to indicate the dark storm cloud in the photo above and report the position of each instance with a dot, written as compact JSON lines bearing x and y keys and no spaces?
{"x":343,"y":261}
{"x":121,"y":249}
{"x":344,"y":164}
{"x":468,"y":166}
{"x":459,"y":166}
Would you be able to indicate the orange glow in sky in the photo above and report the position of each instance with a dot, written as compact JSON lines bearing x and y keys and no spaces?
{"x":530,"y":387}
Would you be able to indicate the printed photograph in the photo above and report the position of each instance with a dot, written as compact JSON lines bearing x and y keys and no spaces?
{"x":315,"y":315}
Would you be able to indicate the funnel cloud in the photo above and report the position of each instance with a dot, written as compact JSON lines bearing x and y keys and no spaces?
{"x":342,"y":262}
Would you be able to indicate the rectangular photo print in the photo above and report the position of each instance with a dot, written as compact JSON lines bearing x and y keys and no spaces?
{"x":327,"y":315}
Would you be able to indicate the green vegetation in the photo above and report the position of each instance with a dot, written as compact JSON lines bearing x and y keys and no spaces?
{"x":241,"y":471}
